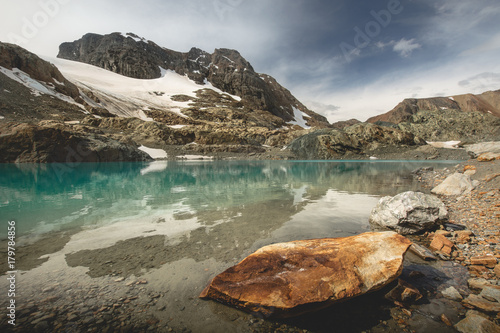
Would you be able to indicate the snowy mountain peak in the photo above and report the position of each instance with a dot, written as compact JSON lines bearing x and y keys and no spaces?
{"x":225,"y":69}
{"x":134,"y":37}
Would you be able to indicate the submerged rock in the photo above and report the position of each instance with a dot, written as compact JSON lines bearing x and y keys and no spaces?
{"x":404,"y":292}
{"x":288,"y":279}
{"x":409,"y":212}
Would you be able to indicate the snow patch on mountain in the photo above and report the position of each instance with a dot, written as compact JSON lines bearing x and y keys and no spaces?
{"x":128,"y":97}
{"x":37,"y":88}
{"x":299,"y":118}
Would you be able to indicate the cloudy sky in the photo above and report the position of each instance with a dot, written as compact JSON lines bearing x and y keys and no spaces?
{"x":344,"y":59}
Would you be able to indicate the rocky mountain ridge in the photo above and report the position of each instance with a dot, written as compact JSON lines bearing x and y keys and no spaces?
{"x":38,"y":102}
{"x":486,"y":103}
{"x":132,"y":56}
{"x":46,"y":111}
{"x":466,"y":118}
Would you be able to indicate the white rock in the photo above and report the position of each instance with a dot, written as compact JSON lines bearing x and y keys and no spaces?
{"x":409,"y":212}
{"x":452,"y":293}
{"x":456,"y":184}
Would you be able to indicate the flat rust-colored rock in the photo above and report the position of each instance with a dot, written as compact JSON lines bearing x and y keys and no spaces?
{"x":288,"y":279}
{"x":488,"y":157}
{"x":482,"y":303}
{"x":442,"y":244}
{"x":488,"y":261}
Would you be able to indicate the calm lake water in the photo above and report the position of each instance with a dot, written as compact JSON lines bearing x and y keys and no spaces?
{"x":178,"y":224}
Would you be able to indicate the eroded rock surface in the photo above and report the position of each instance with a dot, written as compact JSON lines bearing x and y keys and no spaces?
{"x":287,"y":279}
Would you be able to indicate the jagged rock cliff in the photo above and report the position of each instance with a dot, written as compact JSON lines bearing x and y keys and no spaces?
{"x":190,"y":119}
{"x":129,"y":55}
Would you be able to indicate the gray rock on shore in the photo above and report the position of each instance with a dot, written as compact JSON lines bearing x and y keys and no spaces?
{"x":409,"y":213}
{"x":456,"y":184}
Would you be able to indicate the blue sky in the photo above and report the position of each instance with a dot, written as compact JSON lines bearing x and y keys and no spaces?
{"x":344,"y":59}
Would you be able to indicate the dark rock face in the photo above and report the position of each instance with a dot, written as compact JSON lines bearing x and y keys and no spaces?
{"x":52,"y":142}
{"x":13,"y":56}
{"x":334,"y":143}
{"x":226,"y":69}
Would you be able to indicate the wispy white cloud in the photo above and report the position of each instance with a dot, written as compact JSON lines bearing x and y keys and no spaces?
{"x":405,"y":47}
{"x":481,"y":82}
{"x":456,"y":21}
{"x":328,"y":110}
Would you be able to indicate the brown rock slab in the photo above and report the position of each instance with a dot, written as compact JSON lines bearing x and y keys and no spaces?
{"x":482,"y":303}
{"x":446,"y":320}
{"x":442,"y":244}
{"x":452,"y":293}
{"x":422,"y":252}
{"x":475,"y":323}
{"x":497,"y":271}
{"x":478,"y":284}
{"x":489,"y":178}
{"x":488,"y":261}
{"x":288,"y":279}
{"x":470,"y":167}
{"x":491,"y":293}
{"x":488,"y":157}
{"x":463,"y":236}
{"x":478,"y":270}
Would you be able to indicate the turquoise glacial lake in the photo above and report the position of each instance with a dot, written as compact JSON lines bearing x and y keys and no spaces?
{"x":282,"y":200}
{"x":122,"y":243}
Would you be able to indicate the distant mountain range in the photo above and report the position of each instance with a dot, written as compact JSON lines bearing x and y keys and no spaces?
{"x":109,"y":97}
{"x":488,"y":103}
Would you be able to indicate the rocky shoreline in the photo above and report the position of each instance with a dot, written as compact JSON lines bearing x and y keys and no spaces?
{"x":475,"y":245}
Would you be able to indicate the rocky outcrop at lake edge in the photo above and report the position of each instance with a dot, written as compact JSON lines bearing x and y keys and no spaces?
{"x":53,"y":142}
{"x":356,"y":139}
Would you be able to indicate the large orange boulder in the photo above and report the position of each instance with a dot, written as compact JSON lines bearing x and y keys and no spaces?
{"x":288,"y":279}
